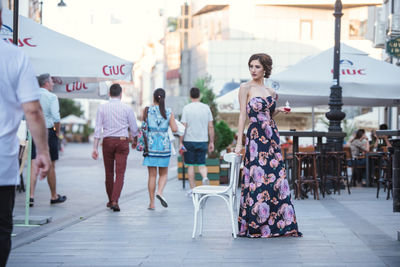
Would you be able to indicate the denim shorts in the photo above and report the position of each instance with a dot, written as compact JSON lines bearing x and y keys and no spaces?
{"x":196,"y":153}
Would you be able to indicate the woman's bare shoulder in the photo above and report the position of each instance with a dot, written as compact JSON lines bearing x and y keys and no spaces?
{"x":245,"y":85}
{"x":244,"y":88}
{"x":271,"y":91}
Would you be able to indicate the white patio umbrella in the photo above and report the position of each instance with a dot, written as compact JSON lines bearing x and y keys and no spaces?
{"x":368,"y":120}
{"x":365,"y":81}
{"x":79,"y":70}
{"x":72,"y":119}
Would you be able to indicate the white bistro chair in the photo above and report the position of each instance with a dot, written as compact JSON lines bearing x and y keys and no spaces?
{"x":227,"y":193}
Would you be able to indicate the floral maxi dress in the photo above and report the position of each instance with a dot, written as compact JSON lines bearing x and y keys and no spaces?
{"x":265,"y":206}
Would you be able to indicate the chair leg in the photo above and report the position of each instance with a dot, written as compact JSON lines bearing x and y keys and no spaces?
{"x":323,"y":186}
{"x":377,"y":187}
{"x":348,"y":185}
{"x":389,"y":186}
{"x":230,"y":207}
{"x":196,"y":210}
{"x":201,"y":221}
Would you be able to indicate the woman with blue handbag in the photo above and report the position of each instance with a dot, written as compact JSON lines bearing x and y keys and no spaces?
{"x":158,"y":145}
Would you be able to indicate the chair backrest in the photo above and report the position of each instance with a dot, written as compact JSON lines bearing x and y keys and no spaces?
{"x":307,"y":149}
{"x":235,"y":160}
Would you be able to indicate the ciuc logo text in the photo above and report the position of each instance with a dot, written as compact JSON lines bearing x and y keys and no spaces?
{"x":113,"y":70}
{"x":347,"y":67}
{"x":6,"y":33}
{"x":75,"y":86}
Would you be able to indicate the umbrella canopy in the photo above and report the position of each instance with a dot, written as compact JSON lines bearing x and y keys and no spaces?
{"x":229,"y":101}
{"x":79,"y":70}
{"x":72,"y":119}
{"x":368,"y":120}
{"x":365,"y":81}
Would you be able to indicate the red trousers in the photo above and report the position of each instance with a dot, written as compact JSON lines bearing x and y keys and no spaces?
{"x":115,"y":153}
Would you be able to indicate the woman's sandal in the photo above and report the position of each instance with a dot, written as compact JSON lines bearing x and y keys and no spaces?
{"x":162,"y":200}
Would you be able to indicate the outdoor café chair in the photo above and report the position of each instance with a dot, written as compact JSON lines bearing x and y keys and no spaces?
{"x":227,"y":193}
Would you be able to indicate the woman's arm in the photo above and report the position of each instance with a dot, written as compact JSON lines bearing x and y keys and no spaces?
{"x":366,"y":145}
{"x":277,"y":109}
{"x":172,"y":123}
{"x":387,"y":142}
{"x":243,"y":91}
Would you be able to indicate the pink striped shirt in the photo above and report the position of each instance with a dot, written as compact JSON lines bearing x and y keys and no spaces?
{"x":114,"y":118}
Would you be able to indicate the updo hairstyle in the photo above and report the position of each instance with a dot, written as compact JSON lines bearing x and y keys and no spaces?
{"x":266,"y":62}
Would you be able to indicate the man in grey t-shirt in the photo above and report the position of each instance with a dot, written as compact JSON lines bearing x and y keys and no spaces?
{"x":198,"y":137}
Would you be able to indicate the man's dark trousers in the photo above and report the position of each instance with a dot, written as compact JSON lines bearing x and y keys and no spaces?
{"x":7,"y":198}
{"x":115,"y":153}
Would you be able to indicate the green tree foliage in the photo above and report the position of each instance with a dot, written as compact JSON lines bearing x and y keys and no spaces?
{"x":207,"y":95}
{"x":347,"y":127}
{"x":68,"y":107}
{"x":172,"y":24}
{"x":224,"y":136}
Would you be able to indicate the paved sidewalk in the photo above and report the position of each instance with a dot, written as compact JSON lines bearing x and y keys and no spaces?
{"x":81,"y":179}
{"x":345,"y":230}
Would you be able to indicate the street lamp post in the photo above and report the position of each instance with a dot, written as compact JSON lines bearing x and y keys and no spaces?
{"x":61,"y":4}
{"x":335,"y":114}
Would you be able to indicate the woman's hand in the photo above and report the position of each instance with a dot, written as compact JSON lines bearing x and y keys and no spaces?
{"x":134,"y":142}
{"x":283,"y":110}
{"x":238,"y":149}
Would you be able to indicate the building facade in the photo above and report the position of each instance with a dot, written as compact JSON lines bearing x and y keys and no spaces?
{"x":225,"y":33}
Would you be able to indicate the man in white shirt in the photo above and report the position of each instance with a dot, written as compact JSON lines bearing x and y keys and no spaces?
{"x":199,"y":136}
{"x":19,"y":94}
{"x":51,"y":111}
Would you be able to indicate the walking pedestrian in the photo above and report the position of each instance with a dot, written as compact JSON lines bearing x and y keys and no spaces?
{"x":198,"y":138}
{"x":51,"y":111}
{"x":266,"y":209}
{"x":159,"y":145}
{"x":19,"y":94}
{"x":116,"y":123}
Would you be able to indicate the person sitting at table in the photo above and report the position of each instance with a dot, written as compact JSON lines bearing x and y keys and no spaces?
{"x":287,"y":146}
{"x":381,"y":142}
{"x":359,"y":146}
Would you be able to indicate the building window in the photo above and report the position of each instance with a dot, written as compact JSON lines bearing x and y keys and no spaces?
{"x":357,"y":29}
{"x":305,"y":30}
{"x":114,"y":19}
{"x":185,"y":40}
{"x":186,"y":23}
{"x":186,"y":10}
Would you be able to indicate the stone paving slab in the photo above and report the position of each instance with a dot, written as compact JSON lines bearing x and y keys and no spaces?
{"x":138,"y":237}
{"x":345,"y":230}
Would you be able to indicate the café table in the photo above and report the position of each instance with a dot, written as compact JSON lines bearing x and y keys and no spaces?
{"x":388,"y":132}
{"x":368,"y":166}
{"x":297,"y":134}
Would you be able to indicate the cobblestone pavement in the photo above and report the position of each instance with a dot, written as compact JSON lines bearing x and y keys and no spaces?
{"x":345,"y":230}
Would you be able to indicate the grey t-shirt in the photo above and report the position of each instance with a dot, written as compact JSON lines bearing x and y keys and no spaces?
{"x":196,"y":115}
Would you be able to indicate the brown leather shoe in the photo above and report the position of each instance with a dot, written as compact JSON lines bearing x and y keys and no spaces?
{"x":109,"y":204}
{"x":115,"y":207}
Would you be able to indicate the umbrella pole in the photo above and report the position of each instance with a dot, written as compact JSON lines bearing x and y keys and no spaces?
{"x":15,"y":22}
{"x":313,"y":123}
{"x":28,"y":183}
{"x":28,"y":179}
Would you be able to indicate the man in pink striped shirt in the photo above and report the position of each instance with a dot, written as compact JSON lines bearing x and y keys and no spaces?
{"x":116,"y":123}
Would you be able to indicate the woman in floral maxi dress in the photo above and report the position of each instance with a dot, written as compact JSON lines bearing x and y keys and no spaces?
{"x":266,"y":209}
